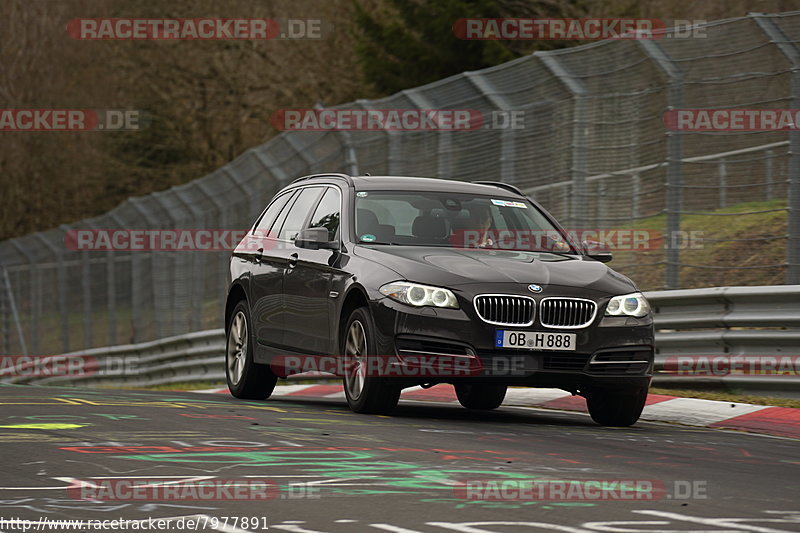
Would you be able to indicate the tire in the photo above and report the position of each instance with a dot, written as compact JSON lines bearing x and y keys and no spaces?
{"x":246,"y":378}
{"x":480,"y":395}
{"x":616,"y":408}
{"x":365,"y":394}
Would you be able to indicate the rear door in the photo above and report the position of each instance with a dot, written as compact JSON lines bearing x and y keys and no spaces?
{"x":307,"y":283}
{"x":285,"y":256}
{"x":267,"y":265}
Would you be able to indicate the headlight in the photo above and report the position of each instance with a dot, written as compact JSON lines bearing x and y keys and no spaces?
{"x":419,"y":295}
{"x":633,"y":304}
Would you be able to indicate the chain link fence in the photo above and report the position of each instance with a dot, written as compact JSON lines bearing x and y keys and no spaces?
{"x":593,"y":149}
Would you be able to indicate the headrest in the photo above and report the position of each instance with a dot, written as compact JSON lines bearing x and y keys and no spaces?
{"x":429,"y":227}
{"x":366,"y":220}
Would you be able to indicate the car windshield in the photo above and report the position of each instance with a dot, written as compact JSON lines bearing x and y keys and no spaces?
{"x":455,"y":220}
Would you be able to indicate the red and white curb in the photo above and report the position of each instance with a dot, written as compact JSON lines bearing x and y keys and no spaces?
{"x":780,"y":421}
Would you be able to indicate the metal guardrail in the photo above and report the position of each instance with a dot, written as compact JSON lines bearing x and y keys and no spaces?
{"x":193,"y":357}
{"x":719,"y":321}
{"x":728,"y":321}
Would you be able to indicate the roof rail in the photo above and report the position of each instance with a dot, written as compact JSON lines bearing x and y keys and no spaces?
{"x":500,"y":184}
{"x":345,"y":177}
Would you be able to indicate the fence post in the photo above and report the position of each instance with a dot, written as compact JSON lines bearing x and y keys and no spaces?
{"x":635,"y":201}
{"x":507,"y":135}
{"x":35,"y":294}
{"x":723,"y":183}
{"x":4,"y":318}
{"x":196,"y":286}
{"x":769,"y":174}
{"x":63,"y":312}
{"x":155,"y":272}
{"x":11,"y":310}
{"x":580,"y":134}
{"x":674,"y":155}
{"x":86,"y":298}
{"x":350,"y":157}
{"x":791,"y":51}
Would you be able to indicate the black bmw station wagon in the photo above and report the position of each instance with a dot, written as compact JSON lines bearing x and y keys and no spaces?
{"x":392,"y":282}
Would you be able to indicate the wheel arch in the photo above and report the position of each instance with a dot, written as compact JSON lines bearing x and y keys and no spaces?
{"x":235,"y":295}
{"x":356,"y":297}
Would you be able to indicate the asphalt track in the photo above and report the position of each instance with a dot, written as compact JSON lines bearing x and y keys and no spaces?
{"x":333,"y":470}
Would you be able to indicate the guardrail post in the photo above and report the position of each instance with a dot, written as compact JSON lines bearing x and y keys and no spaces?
{"x":674,"y":155}
{"x":580,"y":134}
{"x":791,"y":51}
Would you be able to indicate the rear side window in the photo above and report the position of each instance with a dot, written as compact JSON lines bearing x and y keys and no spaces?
{"x":326,"y":215}
{"x":298,"y":213}
{"x":269,"y":216}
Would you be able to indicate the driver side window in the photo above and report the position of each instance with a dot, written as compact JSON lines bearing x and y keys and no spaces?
{"x":326,"y":215}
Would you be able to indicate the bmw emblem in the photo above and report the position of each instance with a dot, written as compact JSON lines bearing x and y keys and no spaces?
{"x":534,"y":287}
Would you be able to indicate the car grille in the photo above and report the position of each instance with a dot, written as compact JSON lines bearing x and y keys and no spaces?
{"x":505,"y":309}
{"x":566,"y":312}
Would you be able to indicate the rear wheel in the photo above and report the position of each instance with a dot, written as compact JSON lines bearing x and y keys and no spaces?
{"x":246,"y":378}
{"x":480,"y":395}
{"x":616,"y":408}
{"x":365,"y":393}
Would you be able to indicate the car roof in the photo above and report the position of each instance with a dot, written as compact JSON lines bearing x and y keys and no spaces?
{"x":404,"y":183}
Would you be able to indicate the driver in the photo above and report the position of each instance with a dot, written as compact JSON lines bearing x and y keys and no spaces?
{"x":482,"y":221}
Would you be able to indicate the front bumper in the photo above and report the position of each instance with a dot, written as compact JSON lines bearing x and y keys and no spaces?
{"x":612,"y":352}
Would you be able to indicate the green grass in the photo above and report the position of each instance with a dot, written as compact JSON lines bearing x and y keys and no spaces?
{"x":728,"y":254}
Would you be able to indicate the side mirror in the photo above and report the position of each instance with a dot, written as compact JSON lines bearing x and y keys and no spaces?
{"x":315,"y":239}
{"x":597,"y":251}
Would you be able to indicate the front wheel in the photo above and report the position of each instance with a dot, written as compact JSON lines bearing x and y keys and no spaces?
{"x":365,"y":393}
{"x":246,"y":378}
{"x":480,"y":395}
{"x":616,"y":408}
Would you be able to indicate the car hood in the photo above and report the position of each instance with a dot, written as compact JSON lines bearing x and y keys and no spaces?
{"x":451,"y":267}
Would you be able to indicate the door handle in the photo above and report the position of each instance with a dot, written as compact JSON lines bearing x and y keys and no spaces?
{"x":293,"y":260}
{"x":259,"y":254}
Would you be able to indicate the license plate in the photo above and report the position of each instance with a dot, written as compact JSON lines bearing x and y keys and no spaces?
{"x":535,"y":340}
